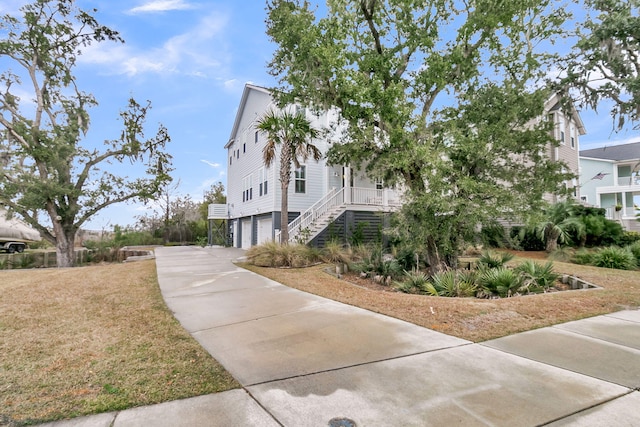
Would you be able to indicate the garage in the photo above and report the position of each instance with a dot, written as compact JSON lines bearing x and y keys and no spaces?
{"x":246,"y":234}
{"x":265,"y":227}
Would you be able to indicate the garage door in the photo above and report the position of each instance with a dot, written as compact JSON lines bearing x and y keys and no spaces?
{"x":264,"y":230}
{"x":246,"y":234}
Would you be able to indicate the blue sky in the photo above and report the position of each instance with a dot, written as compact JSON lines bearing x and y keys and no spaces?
{"x":191,"y":58}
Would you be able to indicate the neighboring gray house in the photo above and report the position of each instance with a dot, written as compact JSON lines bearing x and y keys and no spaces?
{"x":610,"y":179}
{"x":318,"y":194}
{"x":567,"y":130}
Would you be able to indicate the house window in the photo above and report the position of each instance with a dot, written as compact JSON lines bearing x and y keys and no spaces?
{"x":379,"y":184}
{"x":573,"y":142}
{"x":244,"y":148}
{"x":247,"y":193}
{"x":562,"y":137}
{"x":301,"y":179}
{"x":230,"y":159}
{"x":262,"y":176}
{"x":255,"y":137}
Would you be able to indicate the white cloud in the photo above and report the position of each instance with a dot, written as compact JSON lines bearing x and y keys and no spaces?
{"x":230,"y":84}
{"x":213,"y":165}
{"x":161,"y":6}
{"x":198,"y":52}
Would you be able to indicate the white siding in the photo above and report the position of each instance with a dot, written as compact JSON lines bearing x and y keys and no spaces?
{"x":249,"y":161}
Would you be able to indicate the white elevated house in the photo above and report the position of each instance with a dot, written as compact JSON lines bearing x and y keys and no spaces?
{"x":324,"y":201}
{"x":610,"y":179}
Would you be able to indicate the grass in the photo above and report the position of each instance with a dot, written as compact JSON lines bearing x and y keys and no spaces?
{"x":75,"y":342}
{"x":476,"y":319}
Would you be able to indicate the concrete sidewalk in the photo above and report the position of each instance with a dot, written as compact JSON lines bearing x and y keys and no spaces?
{"x":307,"y":361}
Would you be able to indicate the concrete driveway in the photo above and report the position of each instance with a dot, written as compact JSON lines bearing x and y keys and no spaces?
{"x":307,"y":360}
{"x":303,"y":360}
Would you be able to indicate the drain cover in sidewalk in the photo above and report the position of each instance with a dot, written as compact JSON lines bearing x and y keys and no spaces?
{"x":342,"y":422}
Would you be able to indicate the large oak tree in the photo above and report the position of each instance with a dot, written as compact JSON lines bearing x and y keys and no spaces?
{"x":437,"y":96}
{"x":47,"y":176}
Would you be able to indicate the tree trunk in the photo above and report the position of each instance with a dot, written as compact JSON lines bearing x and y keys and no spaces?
{"x":434,"y":260}
{"x":284,"y":214}
{"x":552,"y":241}
{"x":285,"y":179}
{"x":65,"y":255}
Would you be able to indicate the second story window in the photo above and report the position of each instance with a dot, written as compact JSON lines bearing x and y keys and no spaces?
{"x":301,"y":179}
{"x":255,"y":137}
{"x":247,"y":192}
{"x":262,"y":176}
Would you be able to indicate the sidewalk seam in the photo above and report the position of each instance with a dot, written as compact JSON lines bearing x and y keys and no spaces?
{"x":324,"y":371}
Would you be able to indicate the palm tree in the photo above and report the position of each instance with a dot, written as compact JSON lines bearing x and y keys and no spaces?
{"x":293,"y":133}
{"x":560,"y":219}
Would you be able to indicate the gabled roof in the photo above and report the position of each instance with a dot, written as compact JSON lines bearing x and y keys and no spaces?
{"x":614,"y":152}
{"x":243,"y":101}
{"x":554,"y":104}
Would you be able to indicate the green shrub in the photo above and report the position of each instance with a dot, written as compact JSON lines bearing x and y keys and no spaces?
{"x":615,"y":257}
{"x":500,"y":281}
{"x":412,"y":282}
{"x":562,"y":254}
{"x":452,"y":284}
{"x":491,"y":259}
{"x":583,"y":257}
{"x":537,"y":277}
{"x":629,"y":238}
{"x":493,"y":236}
{"x":406,"y":257}
{"x":356,"y":235}
{"x":389,"y":268}
{"x":634,"y":248}
{"x":26,"y":261}
{"x":527,"y":239}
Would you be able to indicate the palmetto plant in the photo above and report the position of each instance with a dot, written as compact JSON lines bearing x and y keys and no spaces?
{"x":491,"y":259}
{"x":559,"y":220}
{"x":500,"y":281}
{"x":292,"y":133}
{"x":537,"y":277}
{"x":452,"y":284}
{"x":413,"y":282}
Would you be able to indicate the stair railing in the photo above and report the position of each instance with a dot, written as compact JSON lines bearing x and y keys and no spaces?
{"x":329,"y":201}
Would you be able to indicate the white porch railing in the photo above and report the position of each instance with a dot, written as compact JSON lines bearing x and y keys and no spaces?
{"x":374,"y":197}
{"x":628,"y":180}
{"x":629,"y":212}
